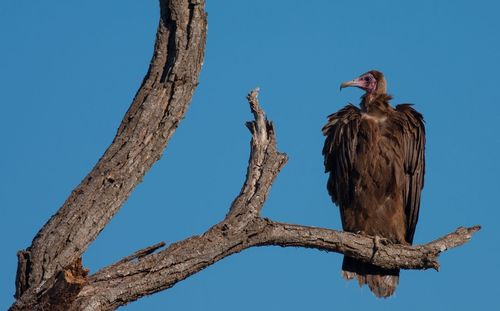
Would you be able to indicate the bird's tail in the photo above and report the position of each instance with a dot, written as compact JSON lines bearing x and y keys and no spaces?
{"x":382,"y":282}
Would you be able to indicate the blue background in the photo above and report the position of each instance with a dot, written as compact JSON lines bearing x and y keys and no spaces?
{"x":69,"y":70}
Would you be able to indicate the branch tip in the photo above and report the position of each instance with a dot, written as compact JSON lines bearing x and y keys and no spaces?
{"x":474,"y":229}
{"x":261,"y":122}
{"x":253,"y":100}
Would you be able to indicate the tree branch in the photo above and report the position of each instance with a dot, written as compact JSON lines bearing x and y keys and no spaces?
{"x":263,"y":166}
{"x":50,"y":274}
{"x":367,"y":248}
{"x":243,"y":228}
{"x":110,"y":288}
{"x":148,"y":125}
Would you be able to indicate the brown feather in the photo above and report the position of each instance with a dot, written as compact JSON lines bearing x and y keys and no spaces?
{"x":414,"y":137}
{"x":375,"y":160}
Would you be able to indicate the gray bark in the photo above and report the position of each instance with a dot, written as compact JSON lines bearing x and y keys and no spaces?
{"x":50,"y":275}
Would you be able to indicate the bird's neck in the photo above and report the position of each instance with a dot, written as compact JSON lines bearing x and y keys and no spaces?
{"x":375,"y":104}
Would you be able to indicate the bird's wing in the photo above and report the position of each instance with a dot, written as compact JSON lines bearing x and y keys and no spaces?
{"x":414,"y":164}
{"x":339,"y":151}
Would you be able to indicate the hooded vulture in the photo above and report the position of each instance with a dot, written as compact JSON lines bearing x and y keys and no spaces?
{"x":375,"y":159}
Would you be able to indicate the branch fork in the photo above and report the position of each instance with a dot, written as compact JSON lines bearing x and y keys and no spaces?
{"x":50,"y":273}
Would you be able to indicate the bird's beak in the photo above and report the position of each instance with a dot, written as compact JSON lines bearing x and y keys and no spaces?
{"x":356,"y":82}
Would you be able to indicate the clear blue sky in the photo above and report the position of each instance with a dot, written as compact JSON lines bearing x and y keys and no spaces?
{"x":69,"y":70}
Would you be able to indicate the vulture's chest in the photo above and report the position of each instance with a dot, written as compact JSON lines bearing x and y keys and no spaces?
{"x":378,"y":145}
{"x":373,"y":129}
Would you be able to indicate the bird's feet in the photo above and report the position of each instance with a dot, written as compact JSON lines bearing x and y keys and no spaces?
{"x":378,"y":240}
{"x":377,"y":243}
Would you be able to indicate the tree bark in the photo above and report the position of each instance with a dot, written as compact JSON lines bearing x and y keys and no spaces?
{"x":148,"y":125}
{"x":50,"y":275}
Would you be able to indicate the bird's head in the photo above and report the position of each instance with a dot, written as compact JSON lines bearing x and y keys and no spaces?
{"x":372,"y":82}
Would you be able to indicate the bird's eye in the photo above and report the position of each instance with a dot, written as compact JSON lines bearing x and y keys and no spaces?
{"x":367,"y":79}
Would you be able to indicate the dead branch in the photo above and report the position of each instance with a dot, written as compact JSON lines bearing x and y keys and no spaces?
{"x":148,"y":125}
{"x":243,"y":228}
{"x":50,"y":274}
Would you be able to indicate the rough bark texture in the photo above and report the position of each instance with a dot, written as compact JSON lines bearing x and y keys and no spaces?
{"x":148,"y":125}
{"x":50,"y":275}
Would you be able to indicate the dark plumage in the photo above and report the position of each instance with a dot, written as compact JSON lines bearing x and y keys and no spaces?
{"x":375,"y":158}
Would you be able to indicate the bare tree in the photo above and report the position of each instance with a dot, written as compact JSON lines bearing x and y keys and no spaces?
{"x":50,"y":275}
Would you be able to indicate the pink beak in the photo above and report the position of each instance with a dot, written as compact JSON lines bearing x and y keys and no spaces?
{"x":356,"y":82}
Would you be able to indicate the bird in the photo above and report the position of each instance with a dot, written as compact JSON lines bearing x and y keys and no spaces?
{"x":375,"y":158}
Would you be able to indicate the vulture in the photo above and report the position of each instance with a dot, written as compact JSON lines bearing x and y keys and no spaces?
{"x":374,"y":156}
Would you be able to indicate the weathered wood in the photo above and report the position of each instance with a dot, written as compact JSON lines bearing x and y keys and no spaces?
{"x":50,"y":275}
{"x":243,"y":228}
{"x":148,"y":125}
{"x":109,"y":288}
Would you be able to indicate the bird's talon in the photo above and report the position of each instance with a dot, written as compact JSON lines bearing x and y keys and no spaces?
{"x":384,"y":241}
